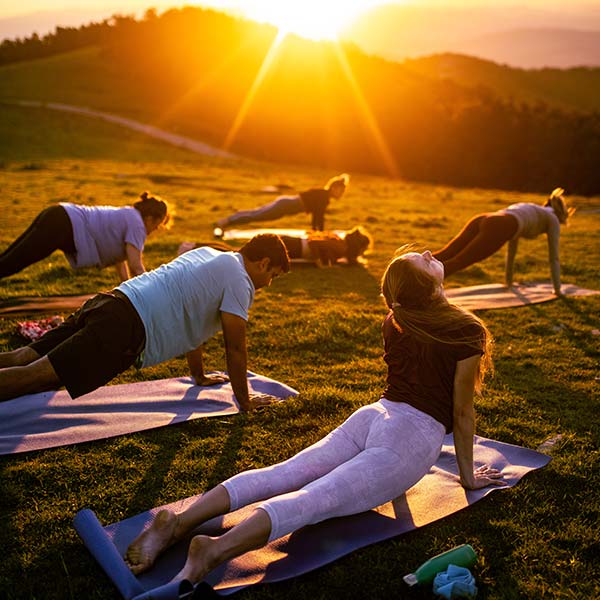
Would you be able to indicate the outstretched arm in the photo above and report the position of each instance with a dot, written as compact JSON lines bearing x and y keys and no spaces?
{"x":510,"y":260}
{"x":134,"y":260}
{"x":122,"y":271}
{"x":234,"y":333}
{"x":464,"y":427}
{"x":553,"y":244}
{"x":196,"y":365}
{"x":319,"y":252}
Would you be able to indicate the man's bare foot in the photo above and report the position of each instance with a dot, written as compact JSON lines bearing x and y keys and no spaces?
{"x":201,"y":560}
{"x":144,"y":550}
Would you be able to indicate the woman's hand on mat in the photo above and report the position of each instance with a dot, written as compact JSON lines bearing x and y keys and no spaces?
{"x":484,"y":476}
{"x":212,"y":379}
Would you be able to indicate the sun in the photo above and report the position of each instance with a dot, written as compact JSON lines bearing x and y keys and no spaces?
{"x":313,"y":19}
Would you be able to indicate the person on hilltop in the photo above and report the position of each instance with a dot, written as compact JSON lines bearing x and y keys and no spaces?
{"x":90,"y":236}
{"x":154,"y":317}
{"x":486,"y":233}
{"x":324,"y":248}
{"x":436,"y":354}
{"x":314,"y":202}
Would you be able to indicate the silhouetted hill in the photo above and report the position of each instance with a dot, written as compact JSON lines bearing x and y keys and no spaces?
{"x":225,"y":81}
{"x":568,"y":89}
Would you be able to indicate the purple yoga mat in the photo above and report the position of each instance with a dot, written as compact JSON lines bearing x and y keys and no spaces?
{"x":53,"y":419}
{"x":437,"y":495}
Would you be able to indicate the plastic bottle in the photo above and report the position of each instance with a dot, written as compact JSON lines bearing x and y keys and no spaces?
{"x":461,"y":556}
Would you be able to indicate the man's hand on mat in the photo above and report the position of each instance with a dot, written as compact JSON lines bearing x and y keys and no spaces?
{"x":211,"y":379}
{"x":257,"y":400}
{"x":484,"y":476}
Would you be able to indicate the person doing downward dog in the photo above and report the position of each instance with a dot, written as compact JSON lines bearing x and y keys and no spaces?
{"x":314,"y":202}
{"x":436,"y":355}
{"x":486,"y":233}
{"x":89,"y":236}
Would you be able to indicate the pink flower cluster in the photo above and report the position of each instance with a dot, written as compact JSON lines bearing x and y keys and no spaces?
{"x":33,"y":330}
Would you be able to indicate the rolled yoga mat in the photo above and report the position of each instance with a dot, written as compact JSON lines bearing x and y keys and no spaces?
{"x":437,"y":495}
{"x":51,"y":419}
{"x":495,"y":295}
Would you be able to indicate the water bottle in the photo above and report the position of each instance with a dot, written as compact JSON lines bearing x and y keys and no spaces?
{"x":461,"y":556}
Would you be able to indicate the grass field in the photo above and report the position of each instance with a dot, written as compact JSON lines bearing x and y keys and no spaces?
{"x":319,"y":331}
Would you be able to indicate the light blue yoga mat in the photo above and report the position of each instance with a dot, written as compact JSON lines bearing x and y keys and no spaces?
{"x":51,"y":419}
{"x":437,"y":495}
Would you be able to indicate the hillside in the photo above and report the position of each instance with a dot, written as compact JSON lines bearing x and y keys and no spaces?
{"x":567,"y":89}
{"x":226,"y":82}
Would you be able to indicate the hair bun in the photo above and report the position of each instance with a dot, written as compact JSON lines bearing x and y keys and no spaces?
{"x":144,"y":195}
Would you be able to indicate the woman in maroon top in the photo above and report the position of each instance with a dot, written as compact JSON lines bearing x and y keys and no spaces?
{"x":436,"y":354}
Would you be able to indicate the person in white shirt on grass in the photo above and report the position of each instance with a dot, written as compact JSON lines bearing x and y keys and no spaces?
{"x":152,"y":318}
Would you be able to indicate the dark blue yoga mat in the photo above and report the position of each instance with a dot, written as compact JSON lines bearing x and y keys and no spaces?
{"x":437,"y":495}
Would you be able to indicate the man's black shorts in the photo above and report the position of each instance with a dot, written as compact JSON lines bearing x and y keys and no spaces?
{"x":95,"y":344}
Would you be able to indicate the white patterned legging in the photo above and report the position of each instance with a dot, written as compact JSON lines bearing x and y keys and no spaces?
{"x":377,"y":454}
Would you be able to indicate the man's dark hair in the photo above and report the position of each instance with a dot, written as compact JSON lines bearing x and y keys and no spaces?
{"x":267,"y":245}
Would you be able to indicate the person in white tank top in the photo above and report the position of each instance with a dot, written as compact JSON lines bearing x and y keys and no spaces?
{"x":486,"y":233}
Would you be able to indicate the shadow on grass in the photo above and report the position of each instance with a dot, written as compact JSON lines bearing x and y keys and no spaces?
{"x":230,"y":450}
{"x":337,"y":281}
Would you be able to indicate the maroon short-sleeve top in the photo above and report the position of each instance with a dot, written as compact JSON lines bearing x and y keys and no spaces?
{"x":422,"y":375}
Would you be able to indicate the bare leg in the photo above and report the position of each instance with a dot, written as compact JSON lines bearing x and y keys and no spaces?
{"x":169,"y":527}
{"x":206,"y":553}
{"x":38,"y":376}
{"x":18,"y":357}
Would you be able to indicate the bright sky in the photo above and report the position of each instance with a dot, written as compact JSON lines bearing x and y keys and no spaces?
{"x":310,"y":18}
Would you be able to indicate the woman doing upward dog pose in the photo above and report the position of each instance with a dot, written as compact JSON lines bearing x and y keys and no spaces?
{"x":436,"y":355}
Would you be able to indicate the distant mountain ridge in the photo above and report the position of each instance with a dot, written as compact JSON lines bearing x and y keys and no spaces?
{"x":520,"y":37}
{"x":567,"y":89}
{"x":514,"y":35}
{"x":537,"y":48}
{"x":447,"y":119}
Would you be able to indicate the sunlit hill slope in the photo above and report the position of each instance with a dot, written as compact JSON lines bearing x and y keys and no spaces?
{"x":235,"y":84}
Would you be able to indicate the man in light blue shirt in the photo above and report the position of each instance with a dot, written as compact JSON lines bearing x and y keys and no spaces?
{"x":151,"y":318}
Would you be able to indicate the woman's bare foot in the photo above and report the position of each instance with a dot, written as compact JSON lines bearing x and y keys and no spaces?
{"x":201,"y":560}
{"x":144,"y":550}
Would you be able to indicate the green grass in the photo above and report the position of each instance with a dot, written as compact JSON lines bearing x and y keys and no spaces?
{"x":319,"y":331}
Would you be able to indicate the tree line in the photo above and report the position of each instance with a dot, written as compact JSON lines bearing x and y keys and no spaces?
{"x":332,"y":105}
